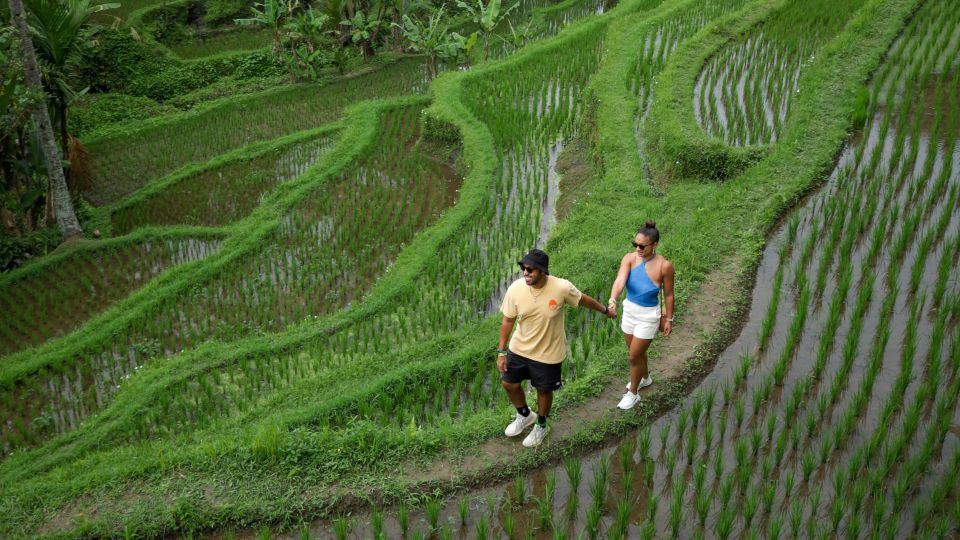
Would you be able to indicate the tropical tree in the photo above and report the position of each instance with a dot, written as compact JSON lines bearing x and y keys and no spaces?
{"x":487,"y":16}
{"x":60,"y":29}
{"x":59,"y":196}
{"x":272,"y":14}
{"x":308,"y":42}
{"x":431,"y":37}
{"x":363,"y":30}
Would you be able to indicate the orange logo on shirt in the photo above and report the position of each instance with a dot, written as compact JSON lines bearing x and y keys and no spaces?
{"x":552,"y":304}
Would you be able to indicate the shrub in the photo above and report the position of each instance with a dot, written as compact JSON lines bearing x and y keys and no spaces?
{"x":221,"y":12}
{"x":93,"y":111}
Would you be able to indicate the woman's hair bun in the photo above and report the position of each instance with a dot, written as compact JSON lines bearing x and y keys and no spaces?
{"x":650,"y":224}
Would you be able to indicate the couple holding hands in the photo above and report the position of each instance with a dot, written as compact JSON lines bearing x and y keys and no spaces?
{"x":534,"y":306}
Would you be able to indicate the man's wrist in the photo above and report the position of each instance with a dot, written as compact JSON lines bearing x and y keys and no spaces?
{"x":502,"y":352}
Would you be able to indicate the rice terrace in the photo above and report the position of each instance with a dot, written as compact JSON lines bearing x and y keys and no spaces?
{"x":256,"y":257}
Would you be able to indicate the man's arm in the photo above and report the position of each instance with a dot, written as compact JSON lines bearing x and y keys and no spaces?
{"x":587,"y":301}
{"x":506,"y":328}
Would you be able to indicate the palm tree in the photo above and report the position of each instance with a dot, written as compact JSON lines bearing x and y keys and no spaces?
{"x":60,"y":30}
{"x":60,"y":197}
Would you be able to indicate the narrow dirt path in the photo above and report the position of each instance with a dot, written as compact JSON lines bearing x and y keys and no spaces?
{"x":706,"y":317}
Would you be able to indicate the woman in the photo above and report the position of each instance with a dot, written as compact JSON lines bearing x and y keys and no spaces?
{"x":647,"y":276}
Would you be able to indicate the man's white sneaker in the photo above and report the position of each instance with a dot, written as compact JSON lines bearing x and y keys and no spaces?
{"x":536,"y":436}
{"x":519,"y":424}
{"x":644,"y":382}
{"x":628,"y":401}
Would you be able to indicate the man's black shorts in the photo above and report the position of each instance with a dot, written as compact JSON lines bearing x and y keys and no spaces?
{"x":542,"y":376}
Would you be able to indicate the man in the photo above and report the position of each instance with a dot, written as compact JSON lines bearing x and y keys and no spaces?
{"x":539,"y":345}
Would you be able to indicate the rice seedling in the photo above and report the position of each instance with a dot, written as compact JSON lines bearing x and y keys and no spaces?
{"x":463,"y":509}
{"x":670,"y":459}
{"x":572,"y":466}
{"x":433,"y":508}
{"x":664,"y":434}
{"x":594,"y":514}
{"x":774,"y":526}
{"x":519,"y":491}
{"x":481,"y":527}
{"x":703,"y":502}
{"x":751,"y":502}
{"x":376,"y":523}
{"x":643,"y":443}
{"x":724,"y":524}
{"x":341,"y":527}
{"x":508,"y":524}
{"x":622,"y":521}
{"x":403,"y":518}
{"x":796,"y":517}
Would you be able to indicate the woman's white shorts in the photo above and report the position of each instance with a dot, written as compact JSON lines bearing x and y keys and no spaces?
{"x":639,"y":321}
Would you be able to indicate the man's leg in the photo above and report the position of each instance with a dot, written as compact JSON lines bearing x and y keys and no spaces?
{"x":544,"y":401}
{"x":515,"y":393}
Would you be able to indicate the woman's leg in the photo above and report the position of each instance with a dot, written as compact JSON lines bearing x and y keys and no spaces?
{"x":638,"y":361}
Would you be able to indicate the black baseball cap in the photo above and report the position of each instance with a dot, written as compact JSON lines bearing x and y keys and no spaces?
{"x":537,"y":259}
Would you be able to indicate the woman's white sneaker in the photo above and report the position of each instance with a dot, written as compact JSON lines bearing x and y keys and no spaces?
{"x":628,"y":401}
{"x":519,"y":424}
{"x":536,"y":436}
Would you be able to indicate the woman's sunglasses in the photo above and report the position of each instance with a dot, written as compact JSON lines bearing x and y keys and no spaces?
{"x":639,"y":246}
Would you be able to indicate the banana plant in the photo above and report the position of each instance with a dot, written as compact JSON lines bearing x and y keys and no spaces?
{"x":363,"y":30}
{"x":432,"y":38}
{"x":487,"y":16}
{"x":272,"y":14}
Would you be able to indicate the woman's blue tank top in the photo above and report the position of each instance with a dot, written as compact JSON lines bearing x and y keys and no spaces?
{"x":640,"y":288}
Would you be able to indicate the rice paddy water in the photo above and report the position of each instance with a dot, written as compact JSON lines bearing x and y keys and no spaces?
{"x":834,"y":412}
{"x":222,"y":195}
{"x":744,"y":92}
{"x":120,"y":164}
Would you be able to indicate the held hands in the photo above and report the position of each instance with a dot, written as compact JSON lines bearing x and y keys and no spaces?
{"x":612,"y":309}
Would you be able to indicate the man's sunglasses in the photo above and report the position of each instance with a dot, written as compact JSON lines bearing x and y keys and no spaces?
{"x":639,"y":246}
{"x":527,"y":269}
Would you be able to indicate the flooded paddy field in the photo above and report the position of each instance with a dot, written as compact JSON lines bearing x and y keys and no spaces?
{"x":743,"y":94}
{"x":225,"y":194}
{"x":835,"y":413}
{"x":310,"y":266}
{"x":349,"y":341}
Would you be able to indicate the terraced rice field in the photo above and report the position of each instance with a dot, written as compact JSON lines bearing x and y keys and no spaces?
{"x":834,"y":413}
{"x":310,"y":265}
{"x":222,"y":41}
{"x":42,"y":304}
{"x":744,"y":93}
{"x":123,"y":163}
{"x":223,"y":194}
{"x":330,"y":357}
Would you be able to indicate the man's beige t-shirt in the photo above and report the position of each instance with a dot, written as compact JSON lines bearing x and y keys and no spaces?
{"x":539,"y":332}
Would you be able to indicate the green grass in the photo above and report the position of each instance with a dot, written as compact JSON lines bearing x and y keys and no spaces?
{"x":212,"y":43}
